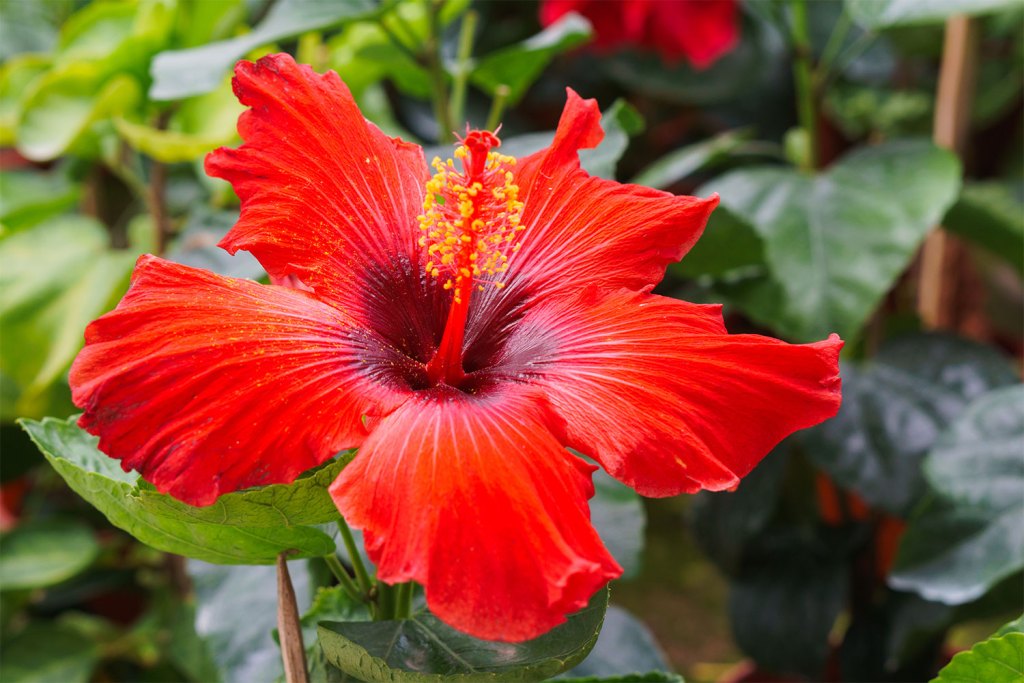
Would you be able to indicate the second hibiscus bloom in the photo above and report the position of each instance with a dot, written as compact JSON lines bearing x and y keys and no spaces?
{"x":461,"y":330}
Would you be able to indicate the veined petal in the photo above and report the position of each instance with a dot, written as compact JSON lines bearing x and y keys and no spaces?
{"x":326,"y":196}
{"x":659,"y":392}
{"x":472,"y":496}
{"x":207,"y":384}
{"x":582,"y":230}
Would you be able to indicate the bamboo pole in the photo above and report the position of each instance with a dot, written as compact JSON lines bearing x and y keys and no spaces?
{"x":289,"y":630}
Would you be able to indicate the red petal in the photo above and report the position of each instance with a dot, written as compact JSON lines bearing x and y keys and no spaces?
{"x":663,"y":397}
{"x":582,"y":229}
{"x":207,"y":384}
{"x":700,"y":30}
{"x":325,"y":195}
{"x":473,"y":497}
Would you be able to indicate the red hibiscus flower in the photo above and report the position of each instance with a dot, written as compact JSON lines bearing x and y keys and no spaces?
{"x":700,"y":31}
{"x":461,"y":330}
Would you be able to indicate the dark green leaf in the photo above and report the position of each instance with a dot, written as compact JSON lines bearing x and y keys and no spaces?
{"x":425,"y":649}
{"x":1015,"y":626}
{"x":991,"y":215}
{"x":618,"y":515}
{"x":236,"y":613}
{"x":42,"y":553}
{"x":970,"y":537}
{"x":650,"y":677}
{"x":875,"y":14}
{"x":48,"y":652}
{"x":247,"y":527}
{"x":182,"y":73}
{"x":836,"y":242}
{"x":624,"y":647}
{"x":685,"y":161}
{"x":728,"y":245}
{"x":996,"y":660}
{"x":620,"y":121}
{"x":894,"y":407}
{"x":518,"y":66}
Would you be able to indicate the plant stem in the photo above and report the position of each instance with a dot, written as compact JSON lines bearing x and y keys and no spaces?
{"x":404,"y":600}
{"x":497,"y":106}
{"x":463,"y":67}
{"x":805,"y":95}
{"x":362,"y":576}
{"x":288,"y":628}
{"x":835,"y":43}
{"x":437,"y":75}
{"x":348,"y":584}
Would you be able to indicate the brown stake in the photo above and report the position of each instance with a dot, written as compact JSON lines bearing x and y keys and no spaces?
{"x":293,"y":652}
{"x":941,"y":256}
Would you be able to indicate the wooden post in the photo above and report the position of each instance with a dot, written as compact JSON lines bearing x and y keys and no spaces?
{"x":289,"y":630}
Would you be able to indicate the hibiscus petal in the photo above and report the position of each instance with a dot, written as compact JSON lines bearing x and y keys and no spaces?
{"x":700,"y":30}
{"x":581,"y":230}
{"x":659,"y":392}
{"x":472,"y":496}
{"x":326,"y":196}
{"x":207,"y":384}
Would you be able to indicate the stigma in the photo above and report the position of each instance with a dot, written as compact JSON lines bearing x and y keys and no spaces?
{"x":471,"y":216}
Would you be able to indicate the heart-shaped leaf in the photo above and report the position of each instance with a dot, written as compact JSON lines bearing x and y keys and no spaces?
{"x":996,"y":660}
{"x":247,"y":527}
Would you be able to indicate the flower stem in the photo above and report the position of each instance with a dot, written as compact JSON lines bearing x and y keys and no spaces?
{"x":805,"y":95}
{"x":347,"y":583}
{"x":466,"y":33}
{"x":501,"y":94}
{"x":362,"y":576}
{"x":403,"y":600}
{"x":437,"y":75}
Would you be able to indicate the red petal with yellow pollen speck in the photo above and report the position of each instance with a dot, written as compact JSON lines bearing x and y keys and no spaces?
{"x":207,"y":384}
{"x":326,"y":196}
{"x":473,"y":497}
{"x":658,"y":392}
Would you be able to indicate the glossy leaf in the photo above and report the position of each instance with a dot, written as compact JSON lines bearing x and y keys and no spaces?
{"x":835,"y":243}
{"x":56,"y":278}
{"x":48,"y":652}
{"x":876,"y":14}
{"x":617,"y":512}
{"x":518,"y":66}
{"x":236,"y":614}
{"x":894,"y":408}
{"x":44,"y":552}
{"x":991,"y":215}
{"x":996,"y":660}
{"x":970,"y":537}
{"x":423,"y":648}
{"x":183,"y":73}
{"x":247,"y":527}
{"x":685,"y":161}
{"x":624,"y":647}
{"x":619,"y":122}
{"x":728,"y":245}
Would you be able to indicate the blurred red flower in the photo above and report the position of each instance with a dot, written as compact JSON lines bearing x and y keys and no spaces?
{"x":461,"y":330}
{"x":700,"y":31}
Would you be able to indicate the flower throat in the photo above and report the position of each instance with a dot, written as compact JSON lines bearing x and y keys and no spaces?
{"x":470,"y":221}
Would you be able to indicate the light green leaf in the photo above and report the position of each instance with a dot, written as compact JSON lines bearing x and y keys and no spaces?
{"x":836,"y":242}
{"x":425,"y":649}
{"x":895,"y":406}
{"x":16,"y":78}
{"x":991,"y":214}
{"x":246,"y":527}
{"x":619,"y":122}
{"x":48,"y":652}
{"x":996,"y":660}
{"x":63,"y":104}
{"x":56,"y":278}
{"x":518,"y":66}
{"x":970,"y":537}
{"x":28,"y":198}
{"x":182,"y":73}
{"x":876,"y":14}
{"x":95,"y":31}
{"x":42,"y":553}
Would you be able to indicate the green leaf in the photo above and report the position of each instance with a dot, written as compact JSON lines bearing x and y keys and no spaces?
{"x":29,"y":197}
{"x":41,"y":553}
{"x":624,"y":647}
{"x":423,"y":648}
{"x":991,"y":214}
{"x":27,"y":27}
{"x":1015,"y":626}
{"x":246,"y":527}
{"x":617,"y":512}
{"x":685,"y":161}
{"x":182,"y":73}
{"x":56,"y":115}
{"x":876,"y":14}
{"x":518,"y":66}
{"x":969,"y":538}
{"x":48,"y":652}
{"x":650,"y":677}
{"x":728,"y":245}
{"x":56,"y":278}
{"x":620,"y":122}
{"x":894,"y":408}
{"x":197,"y":245}
{"x":996,"y":660}
{"x":16,"y":78}
{"x":236,"y":614}
{"x":836,"y":242}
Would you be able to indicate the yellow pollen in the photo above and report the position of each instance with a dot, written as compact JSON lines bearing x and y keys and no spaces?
{"x":469,"y":220}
